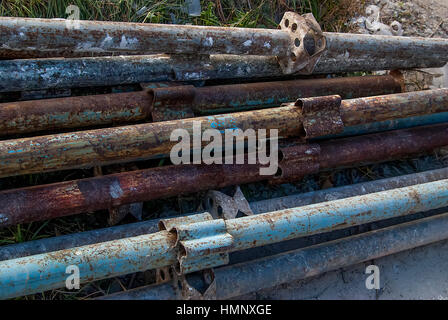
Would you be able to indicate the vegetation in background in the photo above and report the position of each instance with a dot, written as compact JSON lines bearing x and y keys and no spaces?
{"x":332,"y":14}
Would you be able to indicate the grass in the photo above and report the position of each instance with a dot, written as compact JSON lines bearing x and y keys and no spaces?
{"x":331,"y":14}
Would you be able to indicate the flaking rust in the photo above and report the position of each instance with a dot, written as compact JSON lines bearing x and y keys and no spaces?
{"x":92,"y":194}
{"x":144,"y":141}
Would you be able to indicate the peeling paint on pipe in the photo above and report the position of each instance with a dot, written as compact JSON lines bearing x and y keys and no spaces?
{"x":139,"y":142}
{"x":79,"y":239}
{"x":23,"y":75}
{"x":51,"y":37}
{"x":83,"y":111}
{"x":86,"y":195}
{"x":34,"y":247}
{"x":57,"y":38}
{"x":47,"y":271}
{"x":352,"y":190}
{"x":247,"y":277}
{"x":300,"y":264}
{"x":272,"y":227}
{"x":97,"y":261}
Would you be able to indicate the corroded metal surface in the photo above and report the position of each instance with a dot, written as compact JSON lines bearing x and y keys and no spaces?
{"x":135,"y":229}
{"x":202,"y":245}
{"x":381,"y":146}
{"x":236,"y":280}
{"x":383,"y":47}
{"x":169,"y":103}
{"x":306,"y":45}
{"x":73,"y":112}
{"x":266,"y":228}
{"x":46,"y":38}
{"x":303,"y":199}
{"x":235,"y":97}
{"x":46,"y":271}
{"x":321,"y":115}
{"x":296,"y":161}
{"x":86,"y":195}
{"x":291,"y":266}
{"x":98,"y":193}
{"x":223,"y":206}
{"x":385,"y":107}
{"x":21,"y":75}
{"x":172,"y":102}
{"x":128,"y":143}
{"x":143,"y":141}
{"x":79,"y":239}
{"x":58,"y":38}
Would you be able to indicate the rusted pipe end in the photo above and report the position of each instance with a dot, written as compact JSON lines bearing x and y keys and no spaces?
{"x":321,"y":115}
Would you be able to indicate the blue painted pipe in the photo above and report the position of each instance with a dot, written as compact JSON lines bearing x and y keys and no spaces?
{"x":236,"y":280}
{"x":395,"y":124}
{"x":34,"y":247}
{"x":47,"y":271}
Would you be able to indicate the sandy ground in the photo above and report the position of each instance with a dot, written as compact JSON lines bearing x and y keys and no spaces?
{"x":419,"y":273}
{"x":415,"y":274}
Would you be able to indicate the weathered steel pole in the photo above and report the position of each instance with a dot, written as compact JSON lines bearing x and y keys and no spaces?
{"x":83,"y":111}
{"x":47,"y":271}
{"x":22,"y":75}
{"x":39,"y":246}
{"x":87,"y":195}
{"x":47,"y":38}
{"x":143,"y":141}
{"x":58,"y":38}
{"x":236,"y":280}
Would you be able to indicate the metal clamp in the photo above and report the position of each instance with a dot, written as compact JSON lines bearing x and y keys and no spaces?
{"x":306,"y":46}
{"x":202,"y":242}
{"x":171,"y":102}
{"x":223,"y":206}
{"x":321,"y":115}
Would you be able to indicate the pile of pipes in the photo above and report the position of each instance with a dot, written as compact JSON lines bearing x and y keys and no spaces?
{"x":155,"y":79}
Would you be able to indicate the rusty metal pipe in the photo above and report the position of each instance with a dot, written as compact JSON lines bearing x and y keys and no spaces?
{"x":98,"y":261}
{"x":143,"y":141}
{"x":128,"y":143}
{"x":13,"y":251}
{"x":236,"y":280}
{"x":236,"y":97}
{"x":22,"y":75}
{"x":61,"y":38}
{"x":83,"y":111}
{"x":65,"y":38}
{"x":87,"y":195}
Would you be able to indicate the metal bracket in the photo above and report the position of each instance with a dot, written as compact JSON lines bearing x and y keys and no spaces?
{"x":200,"y":285}
{"x":164,"y":274}
{"x":119,"y":213}
{"x":222,"y":206}
{"x":321,"y":115}
{"x":307,"y":43}
{"x":201,"y":242}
